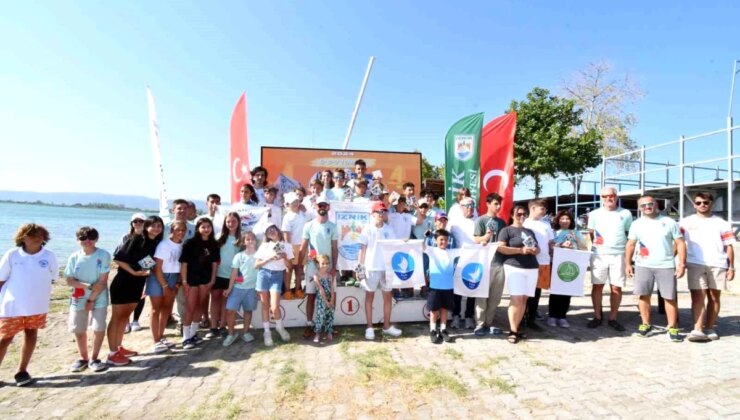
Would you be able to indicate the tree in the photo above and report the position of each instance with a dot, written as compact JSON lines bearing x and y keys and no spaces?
{"x":429,"y":171}
{"x":547,"y":141}
{"x":603,"y":97}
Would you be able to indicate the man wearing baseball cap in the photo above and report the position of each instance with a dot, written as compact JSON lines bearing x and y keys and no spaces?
{"x":372,"y":263}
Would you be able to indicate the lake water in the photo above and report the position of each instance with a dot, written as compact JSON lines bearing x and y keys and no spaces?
{"x":62,"y":223}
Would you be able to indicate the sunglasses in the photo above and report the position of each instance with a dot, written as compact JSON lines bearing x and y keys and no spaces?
{"x":521,"y":214}
{"x":608,"y":196}
{"x":470,"y":206}
{"x":137,"y":221}
{"x":702,"y":203}
{"x":87,"y":238}
{"x":381,"y":211}
{"x":338,"y":177}
{"x":645,"y":205}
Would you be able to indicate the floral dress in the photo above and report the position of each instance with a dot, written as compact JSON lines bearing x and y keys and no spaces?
{"x":324,"y":313}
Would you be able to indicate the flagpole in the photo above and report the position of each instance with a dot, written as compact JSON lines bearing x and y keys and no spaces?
{"x":164,"y":212}
{"x":359,"y":101}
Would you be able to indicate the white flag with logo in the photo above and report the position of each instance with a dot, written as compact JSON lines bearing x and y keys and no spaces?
{"x":349,"y":218}
{"x":568,"y":271}
{"x":473,"y":270}
{"x":404,"y":263}
{"x":249,"y":215}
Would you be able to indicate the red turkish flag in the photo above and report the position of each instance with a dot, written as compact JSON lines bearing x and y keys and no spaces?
{"x":239,"y":156}
{"x":497,"y":163}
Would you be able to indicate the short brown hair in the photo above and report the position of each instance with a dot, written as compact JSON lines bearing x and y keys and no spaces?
{"x":30,"y":230}
{"x":537,"y":202}
{"x":704,"y":195}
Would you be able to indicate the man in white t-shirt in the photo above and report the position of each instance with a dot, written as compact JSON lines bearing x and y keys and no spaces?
{"x":544,"y":235}
{"x":463,"y":229}
{"x":212,"y":203}
{"x":710,"y":264}
{"x":372,"y":262}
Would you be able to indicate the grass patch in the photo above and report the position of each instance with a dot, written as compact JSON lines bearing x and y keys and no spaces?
{"x":60,"y":293}
{"x":377,"y":364}
{"x":498,"y":383}
{"x":288,"y":347}
{"x":292,"y":381}
{"x":431,"y":379}
{"x":344,"y":348}
{"x":546,"y":365}
{"x":453,"y":354}
{"x":490,"y":362}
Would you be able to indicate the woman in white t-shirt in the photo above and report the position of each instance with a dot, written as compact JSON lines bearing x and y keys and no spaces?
{"x":273,"y":258}
{"x":26,"y":274}
{"x":162,"y":284}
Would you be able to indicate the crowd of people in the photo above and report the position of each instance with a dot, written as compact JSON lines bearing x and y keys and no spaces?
{"x":207,"y":271}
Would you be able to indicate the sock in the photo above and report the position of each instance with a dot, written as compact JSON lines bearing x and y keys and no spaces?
{"x":309,"y":323}
{"x":266,"y":326}
{"x":442,"y":326}
{"x":278,"y":324}
{"x":432,"y":325}
{"x":193,"y":329}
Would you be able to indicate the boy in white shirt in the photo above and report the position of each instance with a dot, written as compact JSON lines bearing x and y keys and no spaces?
{"x":292,"y":229}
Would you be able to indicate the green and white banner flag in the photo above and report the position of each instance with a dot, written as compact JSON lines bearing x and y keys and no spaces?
{"x":568,"y":271}
{"x":462,"y":157}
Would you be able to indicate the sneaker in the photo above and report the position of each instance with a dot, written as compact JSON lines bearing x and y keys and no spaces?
{"x":369,"y":334}
{"x":644,"y":329}
{"x":188,"y":344}
{"x":78,"y":366}
{"x":469,"y":323}
{"x":223,"y":332}
{"x":127,"y":329}
{"x":673,"y":335}
{"x":392,"y":331}
{"x":160,"y":347}
{"x":284,"y":335}
{"x":317,"y":339}
{"x":98,"y":366}
{"x":196,"y":339}
{"x":445,"y":336}
{"x":435,"y":337}
{"x":167,"y":343}
{"x":135,"y":326}
{"x":308,"y":332}
{"x":229,"y":340}
{"x":247,"y":337}
{"x":212,"y":333}
{"x":538,"y":316}
{"x":596,"y":322}
{"x":712,"y":334}
{"x":616,"y":325}
{"x":480,"y":331}
{"x":455,"y":322}
{"x":118,"y":359}
{"x":494,"y":331}
{"x":697,"y":336}
{"x":563,"y":323}
{"x":23,"y":379}
{"x":551,"y":322}
{"x":268,"y":339}
{"x":126,"y":352}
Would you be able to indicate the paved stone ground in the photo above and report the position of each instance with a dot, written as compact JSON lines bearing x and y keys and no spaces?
{"x":555,"y":374}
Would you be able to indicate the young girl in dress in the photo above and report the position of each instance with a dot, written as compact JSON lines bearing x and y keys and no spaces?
{"x":324,"y":322}
{"x":241,"y":292}
{"x":273,"y":258}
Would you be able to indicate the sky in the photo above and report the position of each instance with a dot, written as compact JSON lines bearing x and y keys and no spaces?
{"x":73,"y":113}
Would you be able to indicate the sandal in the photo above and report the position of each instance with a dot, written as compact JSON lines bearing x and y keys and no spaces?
{"x":521,"y":335}
{"x":513,"y":337}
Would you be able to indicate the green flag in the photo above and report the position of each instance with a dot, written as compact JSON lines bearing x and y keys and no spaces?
{"x":462,"y":157}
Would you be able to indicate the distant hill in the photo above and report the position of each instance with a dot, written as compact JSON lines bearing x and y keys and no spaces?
{"x":70,"y":198}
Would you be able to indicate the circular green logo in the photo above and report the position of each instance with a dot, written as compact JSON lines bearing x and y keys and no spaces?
{"x":568,"y":271}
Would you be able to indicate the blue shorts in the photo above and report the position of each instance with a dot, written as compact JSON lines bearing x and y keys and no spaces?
{"x":270,"y":280}
{"x":244,"y":298}
{"x":154,"y":289}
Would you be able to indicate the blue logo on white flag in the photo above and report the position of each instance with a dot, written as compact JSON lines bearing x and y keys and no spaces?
{"x":472,"y":275}
{"x":403,"y":265}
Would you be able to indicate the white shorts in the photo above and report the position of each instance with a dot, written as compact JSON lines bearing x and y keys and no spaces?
{"x":521,"y":281}
{"x":607,"y":268}
{"x":376,"y":280}
{"x":310,"y":270}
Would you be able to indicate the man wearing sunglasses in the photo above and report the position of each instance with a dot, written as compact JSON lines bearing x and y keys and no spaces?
{"x":710,"y":264}
{"x":608,"y":227}
{"x":655,"y":237}
{"x":463,"y":230}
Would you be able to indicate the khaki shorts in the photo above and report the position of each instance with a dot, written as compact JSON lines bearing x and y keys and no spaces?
{"x":376,"y":280}
{"x":607,"y":268}
{"x":11,"y":326}
{"x":703,"y":277}
{"x":79,"y":320}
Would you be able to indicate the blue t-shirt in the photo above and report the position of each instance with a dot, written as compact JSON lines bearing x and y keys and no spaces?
{"x":228,"y":251}
{"x":320,"y":237}
{"x":441,"y":267}
{"x":654,"y":241}
{"x":87,"y":269}
{"x":245,"y":263}
{"x":610,"y":230}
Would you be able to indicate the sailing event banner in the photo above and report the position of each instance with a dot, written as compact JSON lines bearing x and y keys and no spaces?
{"x":249,"y":215}
{"x":404,"y":263}
{"x":473,"y":270}
{"x":462,"y":163}
{"x":568,"y":271}
{"x":349,"y":218}
{"x":497,"y":163}
{"x":288,"y":166}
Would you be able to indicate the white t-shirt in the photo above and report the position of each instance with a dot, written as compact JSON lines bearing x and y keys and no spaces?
{"x":706,"y":239}
{"x":456,"y":213}
{"x":27,"y":278}
{"x":169,"y":252}
{"x":373,"y":253}
{"x":544,"y":234}
{"x":267,"y":250}
{"x":401,"y":223}
{"x":462,"y":229}
{"x":293,"y":223}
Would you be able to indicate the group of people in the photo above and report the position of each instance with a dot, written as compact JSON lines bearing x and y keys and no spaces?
{"x":208,"y":270}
